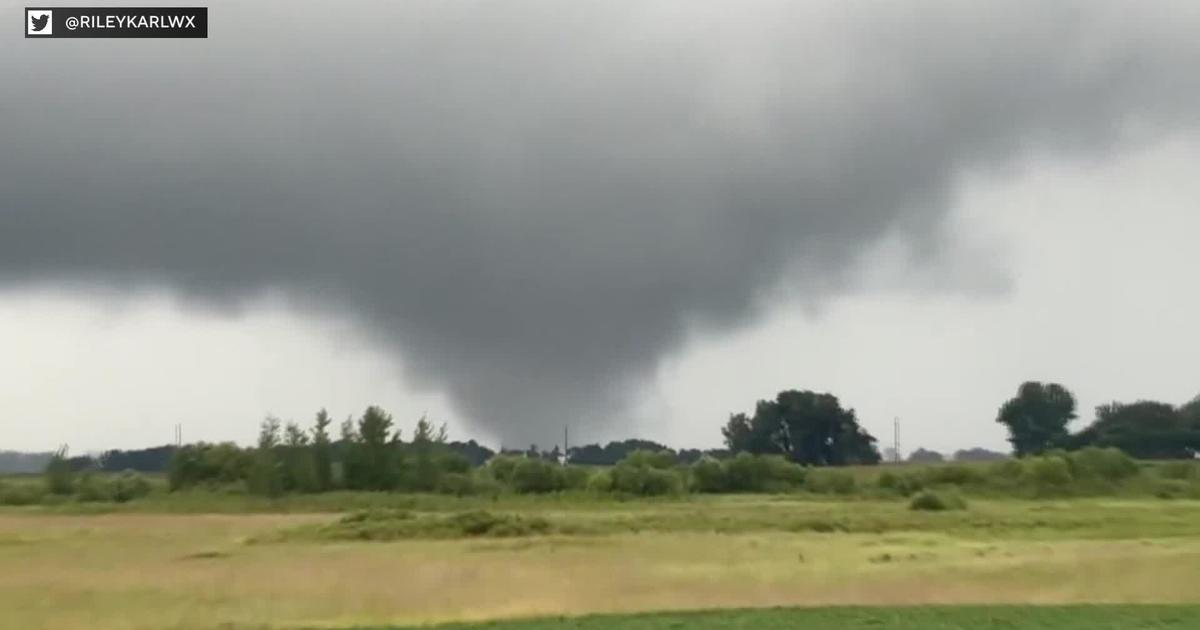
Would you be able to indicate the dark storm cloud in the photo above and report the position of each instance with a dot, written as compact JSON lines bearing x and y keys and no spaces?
{"x":528,"y":201}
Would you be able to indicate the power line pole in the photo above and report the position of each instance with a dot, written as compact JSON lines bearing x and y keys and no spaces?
{"x":896,"y":439}
{"x":566,"y":444}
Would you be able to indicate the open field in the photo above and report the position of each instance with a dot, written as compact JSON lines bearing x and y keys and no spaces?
{"x":131,"y":569}
{"x":874,"y":618}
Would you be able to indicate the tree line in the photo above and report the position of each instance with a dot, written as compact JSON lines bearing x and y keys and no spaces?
{"x":796,"y":441}
{"x":814,"y":429}
{"x":802,"y":428}
{"x":1037,"y":419}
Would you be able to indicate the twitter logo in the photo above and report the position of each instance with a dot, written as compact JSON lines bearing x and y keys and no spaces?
{"x":39,"y":22}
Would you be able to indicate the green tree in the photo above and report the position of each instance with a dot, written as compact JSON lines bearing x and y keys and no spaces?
{"x":194,"y":464}
{"x":1191,"y":413}
{"x":1145,"y":430}
{"x":1037,"y":417}
{"x":60,"y":479}
{"x":322,"y":452}
{"x":299,"y":471}
{"x":266,"y":478}
{"x":804,"y":426}
{"x":373,"y":461}
{"x":923,"y":456}
{"x":536,"y":475}
{"x":426,"y":448}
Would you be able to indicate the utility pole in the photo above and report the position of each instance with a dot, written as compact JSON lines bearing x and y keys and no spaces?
{"x":566,"y":444}
{"x":896,"y":439}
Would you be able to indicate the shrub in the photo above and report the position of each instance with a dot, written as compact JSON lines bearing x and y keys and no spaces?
{"x":1049,"y":474}
{"x":92,"y":488}
{"x":484,"y":486}
{"x":502,"y":467}
{"x":532,"y":476}
{"x":467,"y":484}
{"x":930,"y":501}
{"x":644,"y":480}
{"x":208,"y":464}
{"x":1007,"y":472}
{"x":484,"y":523}
{"x":1175,"y":489}
{"x":784,"y":472}
{"x":600,"y":482}
{"x":747,"y":473}
{"x":661,"y":460}
{"x":129,"y":486}
{"x":60,"y":479}
{"x":21,"y":494}
{"x":1050,"y":471}
{"x":829,"y":481}
{"x":457,"y":484}
{"x":764,"y":473}
{"x":453,"y":462}
{"x":386,"y":525}
{"x":1105,"y":464}
{"x":952,"y":474}
{"x":904,"y":484}
{"x":576,"y":477}
{"x":646,"y":473}
{"x":709,"y":475}
{"x":1178,"y":470}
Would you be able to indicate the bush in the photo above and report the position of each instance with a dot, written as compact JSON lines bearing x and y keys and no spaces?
{"x":484,"y":486}
{"x":502,"y":467}
{"x":1049,"y":475}
{"x":952,"y":474}
{"x":535,"y":476}
{"x":644,"y":480}
{"x":1175,"y":489}
{"x":576,"y":477}
{"x":1048,"y":471}
{"x":646,"y":473}
{"x":929,"y":501}
{"x":904,"y":484}
{"x":1183,"y":471}
{"x":457,"y":484}
{"x":1007,"y":472}
{"x":467,"y":484}
{"x":600,"y":482}
{"x":384,"y":525}
{"x":21,"y":494}
{"x":60,"y":478}
{"x":708,"y":475}
{"x":661,"y":460}
{"x":129,"y":486}
{"x":92,"y":489}
{"x":484,"y":523}
{"x":829,"y":481}
{"x":763,"y":473}
{"x":1104,"y":464}
{"x":747,"y":473}
{"x":208,"y":464}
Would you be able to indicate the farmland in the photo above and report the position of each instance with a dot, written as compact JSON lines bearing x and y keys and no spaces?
{"x":208,"y":560}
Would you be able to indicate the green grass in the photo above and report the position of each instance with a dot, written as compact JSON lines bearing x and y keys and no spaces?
{"x":982,"y":519}
{"x":133,"y":569}
{"x":860,"y":618}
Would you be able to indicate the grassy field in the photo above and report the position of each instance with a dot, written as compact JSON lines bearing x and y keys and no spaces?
{"x":138,"y":566}
{"x":874,"y":618}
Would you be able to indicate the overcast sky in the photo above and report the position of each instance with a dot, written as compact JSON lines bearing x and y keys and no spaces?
{"x":630,"y":217}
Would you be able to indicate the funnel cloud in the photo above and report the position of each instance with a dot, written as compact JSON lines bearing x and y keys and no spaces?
{"x":530,"y":203}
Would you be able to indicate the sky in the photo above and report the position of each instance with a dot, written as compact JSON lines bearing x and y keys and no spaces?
{"x":630,"y":218}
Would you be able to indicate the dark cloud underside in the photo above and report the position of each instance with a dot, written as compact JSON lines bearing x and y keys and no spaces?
{"x":528,"y":200}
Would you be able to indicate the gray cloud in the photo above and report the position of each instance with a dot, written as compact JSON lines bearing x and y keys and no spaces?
{"x":529,"y":200}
